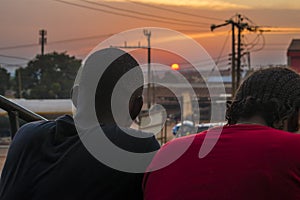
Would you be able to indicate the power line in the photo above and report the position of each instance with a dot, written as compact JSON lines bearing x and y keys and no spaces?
{"x":272,"y":49}
{"x":262,"y":46}
{"x":174,"y":11}
{"x":18,"y":46}
{"x":250,"y":45}
{"x":241,"y":26}
{"x":144,"y":14}
{"x":282,"y":31}
{"x":277,"y":44}
{"x":123,"y":14}
{"x":222,"y":50}
{"x":14,"y":57}
{"x":56,"y":42}
{"x":204,"y":61}
{"x":191,"y":31}
{"x":81,"y":38}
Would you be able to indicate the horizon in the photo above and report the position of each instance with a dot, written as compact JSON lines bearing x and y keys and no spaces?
{"x":77,"y":26}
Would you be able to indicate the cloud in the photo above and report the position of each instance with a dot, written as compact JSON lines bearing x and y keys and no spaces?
{"x":222,"y":4}
{"x":204,"y":4}
{"x":281,"y":30}
{"x":210,"y":4}
{"x":271,"y":4}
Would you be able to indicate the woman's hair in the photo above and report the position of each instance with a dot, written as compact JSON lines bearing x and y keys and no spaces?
{"x":272,"y":93}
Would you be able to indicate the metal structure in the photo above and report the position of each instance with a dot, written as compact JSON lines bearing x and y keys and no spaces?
{"x":235,"y":59}
{"x":15,"y":112}
{"x":42,"y":40}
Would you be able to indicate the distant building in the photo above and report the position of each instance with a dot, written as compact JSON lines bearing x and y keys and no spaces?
{"x":293,"y":55}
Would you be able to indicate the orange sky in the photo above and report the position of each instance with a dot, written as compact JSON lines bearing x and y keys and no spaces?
{"x":70,"y":27}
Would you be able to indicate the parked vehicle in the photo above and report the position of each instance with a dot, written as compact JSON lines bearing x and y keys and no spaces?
{"x":188,"y":127}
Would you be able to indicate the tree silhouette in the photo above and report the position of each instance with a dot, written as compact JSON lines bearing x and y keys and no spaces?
{"x":4,"y":80}
{"x":48,"y":76}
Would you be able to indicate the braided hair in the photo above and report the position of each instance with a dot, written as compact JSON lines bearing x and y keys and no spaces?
{"x":273,"y":94}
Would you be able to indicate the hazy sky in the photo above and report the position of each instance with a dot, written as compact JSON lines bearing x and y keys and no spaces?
{"x":225,"y":4}
{"x":76,"y":26}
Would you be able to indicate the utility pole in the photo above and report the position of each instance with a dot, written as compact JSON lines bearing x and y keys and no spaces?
{"x":233,"y":59}
{"x":235,"y":69}
{"x":20,"y":83}
{"x":42,"y":40}
{"x":249,"y":60}
{"x":241,"y":26}
{"x":147,"y":33}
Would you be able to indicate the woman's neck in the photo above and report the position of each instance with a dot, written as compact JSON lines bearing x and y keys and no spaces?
{"x":252,"y":120}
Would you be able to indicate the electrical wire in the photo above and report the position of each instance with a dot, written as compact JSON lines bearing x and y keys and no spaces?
{"x":252,"y":44}
{"x":272,"y":49}
{"x":192,"y":31}
{"x":57,"y":41}
{"x":144,"y":14}
{"x":249,"y":20}
{"x":222,"y":49}
{"x":80,"y":39}
{"x":277,"y":44}
{"x":18,"y":46}
{"x":206,"y":61}
{"x":123,"y":14}
{"x":174,"y":11}
{"x":263,"y":44}
{"x":14,"y":57}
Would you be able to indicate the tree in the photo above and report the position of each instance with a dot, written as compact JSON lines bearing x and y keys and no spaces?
{"x":49,"y":76}
{"x":4,"y":80}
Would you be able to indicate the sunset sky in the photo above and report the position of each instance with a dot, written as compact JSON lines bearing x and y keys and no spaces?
{"x":76,"y":26}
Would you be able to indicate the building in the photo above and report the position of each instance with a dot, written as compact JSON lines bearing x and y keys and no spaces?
{"x":293,"y":55}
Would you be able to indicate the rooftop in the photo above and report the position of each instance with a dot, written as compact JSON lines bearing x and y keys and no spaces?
{"x":295,"y":45}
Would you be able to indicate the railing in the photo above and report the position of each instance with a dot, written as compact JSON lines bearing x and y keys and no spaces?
{"x":15,"y":112}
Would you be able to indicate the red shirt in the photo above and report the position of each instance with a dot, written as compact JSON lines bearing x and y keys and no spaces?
{"x":247,"y":162}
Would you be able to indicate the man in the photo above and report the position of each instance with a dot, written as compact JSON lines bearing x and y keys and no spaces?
{"x":48,"y":160}
{"x":253,"y":157}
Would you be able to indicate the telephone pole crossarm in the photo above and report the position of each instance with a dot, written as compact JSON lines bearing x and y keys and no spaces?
{"x":233,"y":59}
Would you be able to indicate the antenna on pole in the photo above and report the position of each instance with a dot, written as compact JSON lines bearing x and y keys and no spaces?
{"x":235,"y":59}
{"x":147,"y":33}
{"x":42,"y":40}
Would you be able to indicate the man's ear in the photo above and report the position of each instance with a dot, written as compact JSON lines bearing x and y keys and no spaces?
{"x":74,"y":94}
{"x":136,"y":107}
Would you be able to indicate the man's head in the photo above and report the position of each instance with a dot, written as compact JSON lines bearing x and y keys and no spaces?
{"x":272,"y":94}
{"x":117,"y":99}
{"x":106,"y":89}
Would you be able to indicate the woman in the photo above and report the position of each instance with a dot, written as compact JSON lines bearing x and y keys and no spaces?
{"x":254,"y":156}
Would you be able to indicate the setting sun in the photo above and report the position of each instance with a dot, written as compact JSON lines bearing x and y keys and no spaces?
{"x":175,"y":66}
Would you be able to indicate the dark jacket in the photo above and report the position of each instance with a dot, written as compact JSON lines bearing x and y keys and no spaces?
{"x":47,"y":160}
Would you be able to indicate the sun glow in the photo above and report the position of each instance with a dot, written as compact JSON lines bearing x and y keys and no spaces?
{"x":204,"y":4}
{"x":175,"y":66}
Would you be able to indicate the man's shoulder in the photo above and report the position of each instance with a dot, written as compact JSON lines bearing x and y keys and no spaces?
{"x":32,"y":131}
{"x":131,"y":139}
{"x":137,"y":133}
{"x":39,"y":128}
{"x":30,"y":128}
